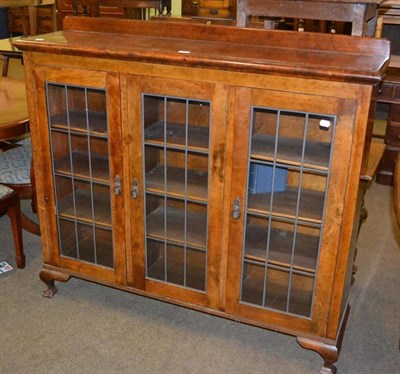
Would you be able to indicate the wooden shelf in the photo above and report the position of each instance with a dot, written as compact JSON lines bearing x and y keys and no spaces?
{"x":195,"y":274}
{"x":284,"y":204}
{"x":80,"y":160}
{"x":104,"y":252}
{"x":197,"y":183}
{"x":101,"y":202}
{"x":306,"y":250}
{"x":198,"y":136}
{"x":95,"y":243}
{"x":289,"y":151}
{"x":196,"y":235}
{"x":300,"y":299}
{"x":78,"y":122}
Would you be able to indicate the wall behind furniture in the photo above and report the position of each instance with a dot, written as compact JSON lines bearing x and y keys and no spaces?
{"x":176,"y":7}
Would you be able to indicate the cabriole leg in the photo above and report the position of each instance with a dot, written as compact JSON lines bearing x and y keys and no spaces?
{"x":329,"y":349}
{"x":48,"y":277}
{"x":328,"y":352}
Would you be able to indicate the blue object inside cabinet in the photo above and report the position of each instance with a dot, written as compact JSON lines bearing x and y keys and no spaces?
{"x":260,"y":179}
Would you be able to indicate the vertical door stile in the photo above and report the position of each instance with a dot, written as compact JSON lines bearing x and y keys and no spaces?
{"x":136,"y":181}
{"x":218,"y":123}
{"x":43,"y":171}
{"x":116,"y":173}
{"x":125,"y":149}
{"x":226,"y":193}
{"x":241,"y":133}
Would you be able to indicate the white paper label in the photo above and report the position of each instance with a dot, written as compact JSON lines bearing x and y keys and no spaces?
{"x":325,"y":123}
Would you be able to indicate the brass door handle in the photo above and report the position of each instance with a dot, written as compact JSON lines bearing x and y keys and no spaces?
{"x":117,"y":185}
{"x":236,"y":210}
{"x":135,"y":189}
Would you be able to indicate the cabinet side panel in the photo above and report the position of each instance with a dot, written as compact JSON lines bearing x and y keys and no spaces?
{"x":344,"y":262}
{"x":333,"y":224}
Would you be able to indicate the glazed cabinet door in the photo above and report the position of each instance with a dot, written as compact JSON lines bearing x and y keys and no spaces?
{"x":177,"y":170}
{"x":287,"y":196}
{"x":83,"y":167}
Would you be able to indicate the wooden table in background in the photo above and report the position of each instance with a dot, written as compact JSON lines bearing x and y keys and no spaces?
{"x":7,"y":51}
{"x":14,"y":120}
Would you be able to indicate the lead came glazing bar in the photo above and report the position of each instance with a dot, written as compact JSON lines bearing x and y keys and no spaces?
{"x":90,"y":175}
{"x":72,"y":171}
{"x":271,"y":207}
{"x":297,"y":211}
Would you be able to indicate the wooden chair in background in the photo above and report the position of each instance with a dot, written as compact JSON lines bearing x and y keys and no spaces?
{"x":136,"y":9}
{"x":16,"y":170}
{"x":8,"y":51}
{"x":362,"y":14}
{"x":9,"y":203}
{"x":33,"y":14}
{"x":29,"y":24}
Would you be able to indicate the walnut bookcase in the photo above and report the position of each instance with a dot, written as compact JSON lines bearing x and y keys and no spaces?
{"x":213,"y":167}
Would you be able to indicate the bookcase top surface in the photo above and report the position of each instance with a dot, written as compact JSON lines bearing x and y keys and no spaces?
{"x":336,"y":1}
{"x":288,"y":53}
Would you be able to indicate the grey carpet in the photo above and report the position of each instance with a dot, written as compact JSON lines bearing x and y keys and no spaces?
{"x":89,"y":328}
